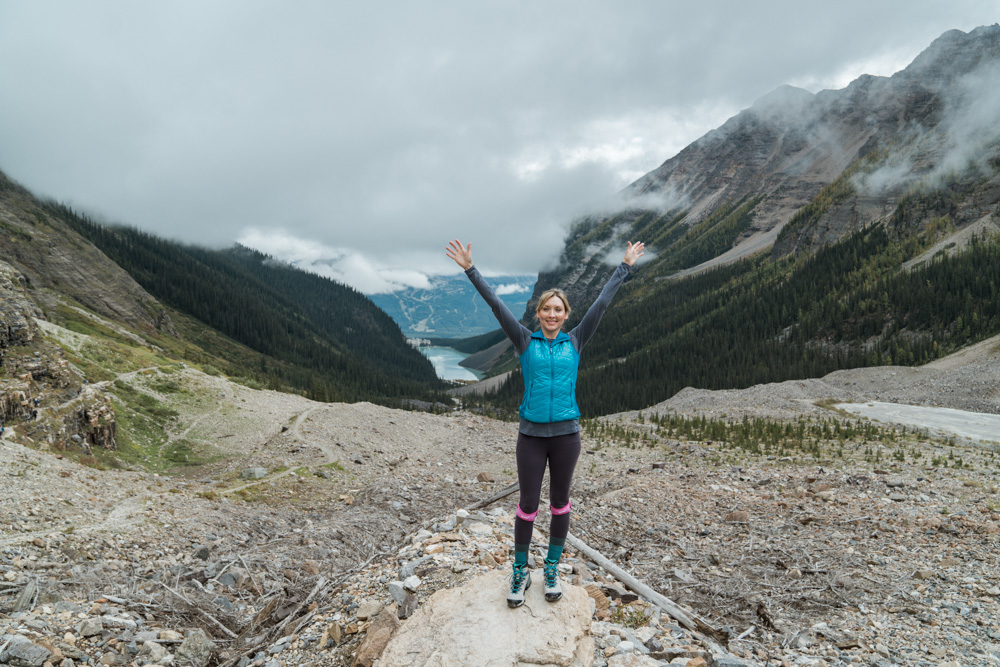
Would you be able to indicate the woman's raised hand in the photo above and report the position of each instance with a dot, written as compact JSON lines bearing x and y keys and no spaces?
{"x":461,"y":254}
{"x":634,"y":252}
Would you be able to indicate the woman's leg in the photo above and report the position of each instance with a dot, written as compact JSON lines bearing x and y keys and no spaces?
{"x":564,"y":451}
{"x":531,"y":456}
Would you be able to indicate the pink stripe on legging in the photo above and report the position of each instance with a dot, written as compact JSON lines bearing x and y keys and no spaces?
{"x":556,"y":511}
{"x":524,"y":515}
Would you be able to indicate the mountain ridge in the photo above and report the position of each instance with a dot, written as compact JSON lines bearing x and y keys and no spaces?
{"x":772,"y":203}
{"x":788,"y":158}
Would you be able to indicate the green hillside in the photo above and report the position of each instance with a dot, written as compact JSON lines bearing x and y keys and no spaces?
{"x":314,"y":335}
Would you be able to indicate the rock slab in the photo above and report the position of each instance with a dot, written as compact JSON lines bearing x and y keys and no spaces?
{"x":380,"y":632}
{"x":22,"y":652}
{"x":481,"y":630}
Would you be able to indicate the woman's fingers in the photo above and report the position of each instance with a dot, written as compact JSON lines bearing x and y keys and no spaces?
{"x":461,"y":254}
{"x":634,"y":252}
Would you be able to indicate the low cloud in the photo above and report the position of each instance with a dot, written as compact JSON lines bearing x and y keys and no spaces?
{"x":344,"y":265}
{"x":966,"y":136}
{"x":666,"y":200}
{"x":510,"y":288}
{"x":972,"y":120}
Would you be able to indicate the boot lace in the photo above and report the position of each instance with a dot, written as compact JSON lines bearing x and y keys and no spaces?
{"x":517,"y":576}
{"x":551,"y":571}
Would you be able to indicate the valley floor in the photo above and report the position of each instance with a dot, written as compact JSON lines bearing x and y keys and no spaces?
{"x":857,"y":544}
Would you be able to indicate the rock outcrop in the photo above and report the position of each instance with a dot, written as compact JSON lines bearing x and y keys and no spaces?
{"x":471,"y":625}
{"x":16,"y":330}
{"x":37,"y":378}
{"x":94,"y":419}
{"x":15,"y":403}
{"x":16,"y":310}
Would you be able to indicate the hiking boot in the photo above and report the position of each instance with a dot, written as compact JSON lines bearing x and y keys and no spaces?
{"x":520,"y":582}
{"x":553,"y":591}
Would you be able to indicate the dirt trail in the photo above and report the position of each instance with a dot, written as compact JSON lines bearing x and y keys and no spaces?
{"x":296,"y":436}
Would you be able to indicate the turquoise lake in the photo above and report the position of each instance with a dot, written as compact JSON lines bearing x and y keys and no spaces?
{"x":445,"y":361}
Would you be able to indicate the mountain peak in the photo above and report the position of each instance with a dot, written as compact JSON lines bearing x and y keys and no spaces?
{"x":783,"y":99}
{"x":955,"y":53}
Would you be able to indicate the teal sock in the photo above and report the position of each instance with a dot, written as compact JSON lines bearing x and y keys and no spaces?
{"x":521,"y":555}
{"x":556,"y":545}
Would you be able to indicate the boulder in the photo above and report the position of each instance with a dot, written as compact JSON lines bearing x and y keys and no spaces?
{"x":368,"y":609}
{"x":472,"y":625}
{"x":22,"y":652}
{"x":152,"y":653}
{"x":196,"y":649}
{"x":380,"y":632}
{"x":89,"y":627}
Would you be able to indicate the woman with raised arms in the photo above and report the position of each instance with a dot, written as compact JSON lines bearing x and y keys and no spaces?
{"x":549,"y":431}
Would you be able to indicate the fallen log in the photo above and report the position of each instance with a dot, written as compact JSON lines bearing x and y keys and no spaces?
{"x":495,"y":497}
{"x":715,"y":639}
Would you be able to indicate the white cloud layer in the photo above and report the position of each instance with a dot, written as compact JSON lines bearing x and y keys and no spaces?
{"x":511,"y":288}
{"x":374,"y":133}
{"x":347,"y":266}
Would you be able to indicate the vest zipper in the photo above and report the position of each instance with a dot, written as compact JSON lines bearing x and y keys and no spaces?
{"x":552,"y":382}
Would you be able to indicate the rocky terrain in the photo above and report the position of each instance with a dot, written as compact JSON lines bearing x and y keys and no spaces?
{"x":154,"y":512}
{"x":255,"y":527}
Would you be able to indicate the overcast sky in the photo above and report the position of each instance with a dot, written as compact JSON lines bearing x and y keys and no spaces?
{"x":357,"y":138}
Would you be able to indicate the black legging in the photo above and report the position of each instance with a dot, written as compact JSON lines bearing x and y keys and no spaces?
{"x":561,"y":453}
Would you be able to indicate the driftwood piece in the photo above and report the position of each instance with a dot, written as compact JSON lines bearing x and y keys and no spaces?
{"x":293,"y":617}
{"x":204,"y":613}
{"x":125,"y":602}
{"x":25,"y":600}
{"x":262,"y":615}
{"x":289,"y":625}
{"x":298,"y":624}
{"x":260,"y":591}
{"x":714,"y":638}
{"x":495,"y":497}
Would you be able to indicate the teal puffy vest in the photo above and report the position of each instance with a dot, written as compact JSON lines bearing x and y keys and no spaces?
{"x":549,"y":372}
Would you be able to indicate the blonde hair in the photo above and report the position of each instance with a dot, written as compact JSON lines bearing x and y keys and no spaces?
{"x":548,"y":294}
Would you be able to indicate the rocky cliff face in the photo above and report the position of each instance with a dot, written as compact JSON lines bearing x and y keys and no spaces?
{"x":822,"y":165}
{"x":40,"y":394}
{"x":57,"y":262}
{"x":16,"y":310}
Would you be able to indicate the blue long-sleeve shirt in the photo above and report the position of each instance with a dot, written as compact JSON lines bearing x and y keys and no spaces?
{"x":520,"y":335}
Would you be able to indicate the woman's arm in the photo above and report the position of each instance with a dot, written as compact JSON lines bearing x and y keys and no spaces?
{"x":588,"y":325}
{"x":518,"y":334}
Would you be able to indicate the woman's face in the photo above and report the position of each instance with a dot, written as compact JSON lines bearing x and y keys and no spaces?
{"x":552,"y":315}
